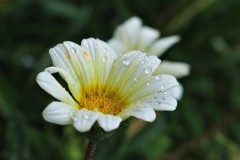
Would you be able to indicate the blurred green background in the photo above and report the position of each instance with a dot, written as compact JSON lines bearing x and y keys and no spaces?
{"x":206,"y":122}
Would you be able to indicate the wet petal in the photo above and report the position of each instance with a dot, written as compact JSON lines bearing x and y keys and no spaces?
{"x":84,"y":119}
{"x":131,"y":72}
{"x":58,"y":112}
{"x":156,"y":84}
{"x":72,"y":85}
{"x":141,"y":111}
{"x":103,"y":57}
{"x":109,"y":122}
{"x":47,"y":82}
{"x":60,"y":58}
{"x":176,"y":92}
{"x":162,"y":102}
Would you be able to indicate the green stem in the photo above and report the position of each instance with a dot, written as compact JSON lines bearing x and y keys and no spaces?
{"x":91,"y":148}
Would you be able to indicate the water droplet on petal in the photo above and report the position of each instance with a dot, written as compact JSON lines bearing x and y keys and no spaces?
{"x":86,"y":116}
{"x":148,"y":70}
{"x":105,"y":58}
{"x":162,"y":87}
{"x":146,"y":58}
{"x":158,"y":102}
{"x":73,"y":115}
{"x":135,"y":79}
{"x":126,"y":61}
{"x":73,"y":50}
{"x":158,"y":77}
{"x":104,"y":49}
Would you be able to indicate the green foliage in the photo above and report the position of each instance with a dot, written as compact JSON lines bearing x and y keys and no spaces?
{"x":205,"y":124}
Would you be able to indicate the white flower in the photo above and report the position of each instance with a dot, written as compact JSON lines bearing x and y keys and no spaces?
{"x":102,"y":87}
{"x":132,"y":35}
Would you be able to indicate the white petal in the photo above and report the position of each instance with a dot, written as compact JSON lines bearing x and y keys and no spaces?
{"x":109,"y":122}
{"x":117,"y":46}
{"x":162,"y":102}
{"x":103,"y":57}
{"x":141,"y":111}
{"x":177,"y":69}
{"x":128,"y":33}
{"x":147,"y":36}
{"x":81,"y":61}
{"x":131,"y":72}
{"x":58,"y":112}
{"x":176,"y":92}
{"x":129,"y":29}
{"x":123,"y":68}
{"x":156,"y":84}
{"x":73,"y":85}
{"x":84,"y":119}
{"x":60,"y":58}
{"x":47,"y":82}
{"x":160,"y":46}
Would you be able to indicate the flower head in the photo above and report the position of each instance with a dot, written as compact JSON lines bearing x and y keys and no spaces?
{"x":132,"y":35}
{"x":103,"y":87}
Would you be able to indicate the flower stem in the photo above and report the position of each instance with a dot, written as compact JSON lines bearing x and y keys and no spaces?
{"x":90,"y":150}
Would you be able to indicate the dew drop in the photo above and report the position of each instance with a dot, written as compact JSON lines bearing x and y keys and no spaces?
{"x":146,"y":58}
{"x":135,"y":79}
{"x":105,"y":58}
{"x":86,"y":45}
{"x":73,"y":114}
{"x":73,"y":50}
{"x":126,"y":61}
{"x":162,"y":87}
{"x":148,"y":70}
{"x":86,"y":116}
{"x":158,"y":102}
{"x":158,"y":77}
{"x":104,"y":49}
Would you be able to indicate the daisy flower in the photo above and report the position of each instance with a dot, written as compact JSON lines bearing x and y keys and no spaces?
{"x":132,"y":35}
{"x":103,"y":87}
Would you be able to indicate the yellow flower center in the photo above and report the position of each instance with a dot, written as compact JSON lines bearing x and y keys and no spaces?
{"x":98,"y":99}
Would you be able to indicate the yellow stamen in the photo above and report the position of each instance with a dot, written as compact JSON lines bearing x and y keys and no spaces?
{"x":106,"y":102}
